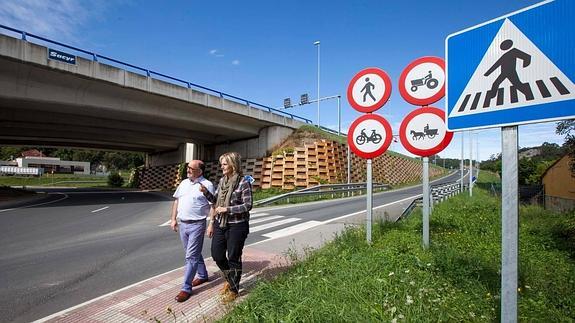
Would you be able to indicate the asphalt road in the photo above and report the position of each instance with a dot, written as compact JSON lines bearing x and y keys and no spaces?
{"x":84,"y":244}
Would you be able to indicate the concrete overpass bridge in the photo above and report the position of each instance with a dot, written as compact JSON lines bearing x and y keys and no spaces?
{"x":96,"y":104}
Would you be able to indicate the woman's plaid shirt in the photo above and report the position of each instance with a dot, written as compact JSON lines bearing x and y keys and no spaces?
{"x":240,"y":201}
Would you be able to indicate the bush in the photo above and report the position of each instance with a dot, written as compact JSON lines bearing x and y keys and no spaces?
{"x":115,"y":180}
{"x":134,"y":181}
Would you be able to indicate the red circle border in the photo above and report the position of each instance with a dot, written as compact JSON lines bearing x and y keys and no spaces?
{"x":376,"y":105}
{"x":423,"y":152}
{"x":386,"y":143}
{"x":426,"y":101}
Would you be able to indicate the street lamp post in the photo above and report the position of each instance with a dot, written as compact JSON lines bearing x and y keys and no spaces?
{"x":317,"y":43}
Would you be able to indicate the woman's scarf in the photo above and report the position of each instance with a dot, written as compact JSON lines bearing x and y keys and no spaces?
{"x":227,"y":186}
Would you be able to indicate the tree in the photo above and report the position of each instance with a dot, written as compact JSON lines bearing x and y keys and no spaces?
{"x":567,"y":129}
{"x":9,"y":153}
{"x":493,"y":164}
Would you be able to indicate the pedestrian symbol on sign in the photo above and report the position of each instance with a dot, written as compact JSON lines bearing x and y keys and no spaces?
{"x":367,"y":88}
{"x":508,"y":68}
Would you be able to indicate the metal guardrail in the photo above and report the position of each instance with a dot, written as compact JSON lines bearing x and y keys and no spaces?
{"x":149,"y":73}
{"x":334,"y":190}
{"x":438,"y":193}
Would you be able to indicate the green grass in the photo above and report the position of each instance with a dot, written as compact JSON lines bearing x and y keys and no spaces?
{"x":65,"y":180}
{"x":324,"y":134}
{"x":456,"y":279}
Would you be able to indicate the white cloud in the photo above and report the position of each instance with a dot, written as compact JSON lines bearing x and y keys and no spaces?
{"x":216,"y":53}
{"x":235,"y":62}
{"x":57,"y":19}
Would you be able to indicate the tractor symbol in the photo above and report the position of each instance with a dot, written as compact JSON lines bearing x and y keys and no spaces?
{"x":428,"y":81}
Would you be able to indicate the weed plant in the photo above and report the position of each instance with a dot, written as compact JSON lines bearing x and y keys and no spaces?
{"x":456,"y":279}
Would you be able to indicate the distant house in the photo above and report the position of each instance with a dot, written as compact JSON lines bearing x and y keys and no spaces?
{"x":559,"y":186}
{"x":55,"y":165}
{"x":32,"y":153}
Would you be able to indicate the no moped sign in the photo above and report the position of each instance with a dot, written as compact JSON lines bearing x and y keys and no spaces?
{"x":423,"y":132}
{"x":422,"y":82}
{"x":369,"y":90}
{"x":369,"y":136}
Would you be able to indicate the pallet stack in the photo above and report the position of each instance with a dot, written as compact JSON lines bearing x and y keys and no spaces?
{"x":160,"y":177}
{"x":319,"y":163}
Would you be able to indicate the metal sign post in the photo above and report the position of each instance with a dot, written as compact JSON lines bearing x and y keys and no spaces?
{"x":369,"y":200}
{"x":509,"y":224}
{"x":470,"y":164}
{"x":426,"y":202}
{"x":462,"y":159}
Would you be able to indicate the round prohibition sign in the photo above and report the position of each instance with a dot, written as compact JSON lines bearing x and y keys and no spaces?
{"x":369,"y":136}
{"x":422,"y":82}
{"x":423,"y":132}
{"x":369,"y":90}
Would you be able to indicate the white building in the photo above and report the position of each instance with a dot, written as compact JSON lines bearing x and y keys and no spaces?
{"x":55,"y":165}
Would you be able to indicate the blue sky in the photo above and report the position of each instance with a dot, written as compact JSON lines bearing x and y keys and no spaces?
{"x":263,"y":50}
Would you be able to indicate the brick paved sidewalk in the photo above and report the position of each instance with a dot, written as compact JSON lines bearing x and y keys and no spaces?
{"x":153,"y":299}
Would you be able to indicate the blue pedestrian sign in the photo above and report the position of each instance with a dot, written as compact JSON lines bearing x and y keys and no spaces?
{"x":513,"y":70}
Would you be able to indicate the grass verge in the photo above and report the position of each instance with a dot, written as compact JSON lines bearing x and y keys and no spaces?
{"x":456,"y":279}
{"x":60,"y":180}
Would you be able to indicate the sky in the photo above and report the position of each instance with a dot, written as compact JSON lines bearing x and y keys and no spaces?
{"x":264,"y":51}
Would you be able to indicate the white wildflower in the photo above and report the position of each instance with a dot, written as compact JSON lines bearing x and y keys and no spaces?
{"x":409,"y":300}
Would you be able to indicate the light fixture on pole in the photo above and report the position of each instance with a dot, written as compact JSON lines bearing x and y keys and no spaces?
{"x":317,"y":43}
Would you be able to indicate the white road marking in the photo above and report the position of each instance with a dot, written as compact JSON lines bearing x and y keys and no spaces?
{"x":292,"y":230}
{"x":45,"y":203}
{"x":100,"y":209}
{"x":267,"y":218}
{"x":273,"y":224}
{"x":257,"y":215}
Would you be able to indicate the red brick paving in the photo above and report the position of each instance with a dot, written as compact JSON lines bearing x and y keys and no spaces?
{"x":154,"y":299}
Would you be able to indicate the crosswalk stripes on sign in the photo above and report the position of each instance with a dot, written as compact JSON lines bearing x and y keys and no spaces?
{"x":513,"y":73}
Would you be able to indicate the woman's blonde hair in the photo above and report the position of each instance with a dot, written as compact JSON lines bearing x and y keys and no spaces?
{"x":233,"y":159}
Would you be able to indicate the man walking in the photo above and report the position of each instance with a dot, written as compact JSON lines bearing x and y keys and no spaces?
{"x":191,"y":209}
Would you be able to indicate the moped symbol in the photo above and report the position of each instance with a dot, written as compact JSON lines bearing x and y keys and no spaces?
{"x":363,"y":138}
{"x":428,"y":81}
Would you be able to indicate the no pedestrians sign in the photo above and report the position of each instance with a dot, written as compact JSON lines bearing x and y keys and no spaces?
{"x":369,"y":90}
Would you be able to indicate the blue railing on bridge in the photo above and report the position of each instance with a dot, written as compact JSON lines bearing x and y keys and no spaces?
{"x":149,"y":73}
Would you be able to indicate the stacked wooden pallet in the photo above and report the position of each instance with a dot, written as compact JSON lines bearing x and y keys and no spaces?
{"x":318,"y":163}
{"x":161,"y":177}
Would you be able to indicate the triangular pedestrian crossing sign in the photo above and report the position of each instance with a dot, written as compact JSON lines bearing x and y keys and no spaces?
{"x":513,"y":73}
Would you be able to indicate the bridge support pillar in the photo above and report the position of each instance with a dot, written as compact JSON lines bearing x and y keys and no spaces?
{"x":257,"y":147}
{"x":185,"y":153}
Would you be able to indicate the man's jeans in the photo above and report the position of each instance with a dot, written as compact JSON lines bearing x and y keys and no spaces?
{"x":192,"y":235}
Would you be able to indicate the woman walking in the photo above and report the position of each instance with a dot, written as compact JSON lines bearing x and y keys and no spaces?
{"x":229,"y":226}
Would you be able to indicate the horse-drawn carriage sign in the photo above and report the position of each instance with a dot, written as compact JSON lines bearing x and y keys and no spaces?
{"x":422,"y":82}
{"x":423,"y":132}
{"x":369,"y":136}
